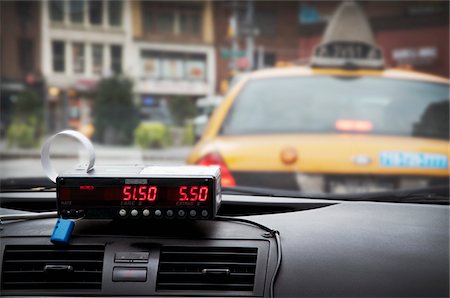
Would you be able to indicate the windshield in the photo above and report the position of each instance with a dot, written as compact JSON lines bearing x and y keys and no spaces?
{"x":211,"y":83}
{"x":361,"y":105}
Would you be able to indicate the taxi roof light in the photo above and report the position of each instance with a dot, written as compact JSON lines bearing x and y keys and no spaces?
{"x":348,"y":41}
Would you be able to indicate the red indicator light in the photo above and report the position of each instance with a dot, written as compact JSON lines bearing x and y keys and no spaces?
{"x":86,"y":187}
{"x":354,"y":125}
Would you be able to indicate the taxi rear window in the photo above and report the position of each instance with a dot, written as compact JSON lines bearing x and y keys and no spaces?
{"x":329,"y":104}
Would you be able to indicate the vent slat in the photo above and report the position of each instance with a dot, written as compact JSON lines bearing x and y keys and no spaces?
{"x":23,"y":267}
{"x":208,"y":263}
{"x":182,"y":269}
{"x":53,"y":261}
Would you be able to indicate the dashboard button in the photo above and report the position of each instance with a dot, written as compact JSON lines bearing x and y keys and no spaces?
{"x":146,"y":212}
{"x":122,"y":212}
{"x":181,"y":213}
{"x":193,"y":213}
{"x":158,"y":213}
{"x":134,"y":212}
{"x":129,"y":274}
{"x":169,"y":213}
{"x":139,"y":257}
{"x":205,"y":213}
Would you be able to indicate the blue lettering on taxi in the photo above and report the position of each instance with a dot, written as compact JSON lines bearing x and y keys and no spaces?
{"x":413,"y":160}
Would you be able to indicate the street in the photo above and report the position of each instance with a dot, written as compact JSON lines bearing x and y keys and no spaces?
{"x":27,"y":163}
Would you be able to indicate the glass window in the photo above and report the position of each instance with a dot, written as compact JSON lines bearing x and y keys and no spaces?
{"x":95,"y":12}
{"x":58,"y":56}
{"x":172,"y":66}
{"x":97,"y":59}
{"x":151,"y":64}
{"x":190,"y":22}
{"x":147,"y":21}
{"x":26,"y":55}
{"x":116,"y":59}
{"x":56,"y":10}
{"x":76,"y":11}
{"x":196,"y":68}
{"x":115,"y":12}
{"x":165,"y":22}
{"x":378,"y":106}
{"x":78,"y":57}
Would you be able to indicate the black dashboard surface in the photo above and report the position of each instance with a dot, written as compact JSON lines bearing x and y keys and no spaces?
{"x":346,"y":249}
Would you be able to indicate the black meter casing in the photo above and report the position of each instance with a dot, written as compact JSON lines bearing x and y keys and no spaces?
{"x":140,"y":192}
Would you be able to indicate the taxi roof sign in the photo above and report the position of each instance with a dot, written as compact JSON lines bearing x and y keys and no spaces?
{"x":348,"y":41}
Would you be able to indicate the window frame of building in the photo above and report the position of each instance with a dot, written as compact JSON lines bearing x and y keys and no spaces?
{"x":72,"y":14}
{"x":115,"y":7}
{"x":116,"y":66}
{"x":58,"y":58}
{"x":97,"y":60}
{"x":188,"y":13}
{"x":92,"y":6}
{"x":25,"y":55}
{"x":181,"y":60}
{"x":51,"y":11}
{"x":78,"y":59}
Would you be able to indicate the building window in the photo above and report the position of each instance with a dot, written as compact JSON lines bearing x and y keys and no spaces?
{"x":116,"y":59}
{"x":168,"y":19}
{"x":26,"y":55}
{"x":56,"y":10}
{"x":265,"y":22}
{"x":76,"y":11}
{"x":151,"y":64}
{"x":115,"y":13}
{"x":95,"y":12}
{"x":165,"y":22}
{"x":190,"y":22}
{"x":173,"y":66}
{"x":58,"y":56}
{"x":196,"y":68}
{"x":97,"y":59}
{"x":78,"y":57}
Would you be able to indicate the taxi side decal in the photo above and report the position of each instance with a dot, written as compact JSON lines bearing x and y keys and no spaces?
{"x":413,"y":160}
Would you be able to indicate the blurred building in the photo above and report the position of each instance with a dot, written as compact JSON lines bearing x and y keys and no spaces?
{"x":82,"y":41}
{"x":173,"y":52}
{"x":412,"y":34}
{"x":254,"y":34}
{"x":20,"y":53}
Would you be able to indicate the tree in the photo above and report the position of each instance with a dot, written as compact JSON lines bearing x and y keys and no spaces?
{"x":115,"y":115}
{"x":182,"y":108}
{"x":26,"y":128}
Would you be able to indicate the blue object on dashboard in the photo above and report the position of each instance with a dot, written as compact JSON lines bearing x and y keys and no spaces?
{"x":413,"y":160}
{"x":62,"y":231}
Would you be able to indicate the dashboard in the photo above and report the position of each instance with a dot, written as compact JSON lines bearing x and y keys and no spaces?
{"x":329,"y":248}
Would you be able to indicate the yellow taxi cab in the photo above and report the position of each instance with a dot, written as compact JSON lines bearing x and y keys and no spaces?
{"x":344,"y":124}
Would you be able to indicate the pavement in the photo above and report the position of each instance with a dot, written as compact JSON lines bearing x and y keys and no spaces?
{"x":19,"y":162}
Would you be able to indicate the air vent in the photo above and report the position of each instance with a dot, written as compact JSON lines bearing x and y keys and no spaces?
{"x":206,"y":269}
{"x":48,"y":267}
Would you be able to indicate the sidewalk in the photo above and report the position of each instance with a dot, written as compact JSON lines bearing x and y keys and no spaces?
{"x":101,"y":151}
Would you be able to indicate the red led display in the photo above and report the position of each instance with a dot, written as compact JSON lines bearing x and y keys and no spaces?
{"x":186,"y":194}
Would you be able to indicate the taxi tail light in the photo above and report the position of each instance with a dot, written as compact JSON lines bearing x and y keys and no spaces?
{"x":215,"y":159}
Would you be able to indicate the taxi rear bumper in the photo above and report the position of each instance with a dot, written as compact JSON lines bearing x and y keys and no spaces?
{"x":334,"y":183}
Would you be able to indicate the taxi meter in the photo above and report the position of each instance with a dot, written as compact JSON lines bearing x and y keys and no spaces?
{"x":153,"y":192}
{"x":132,"y":191}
